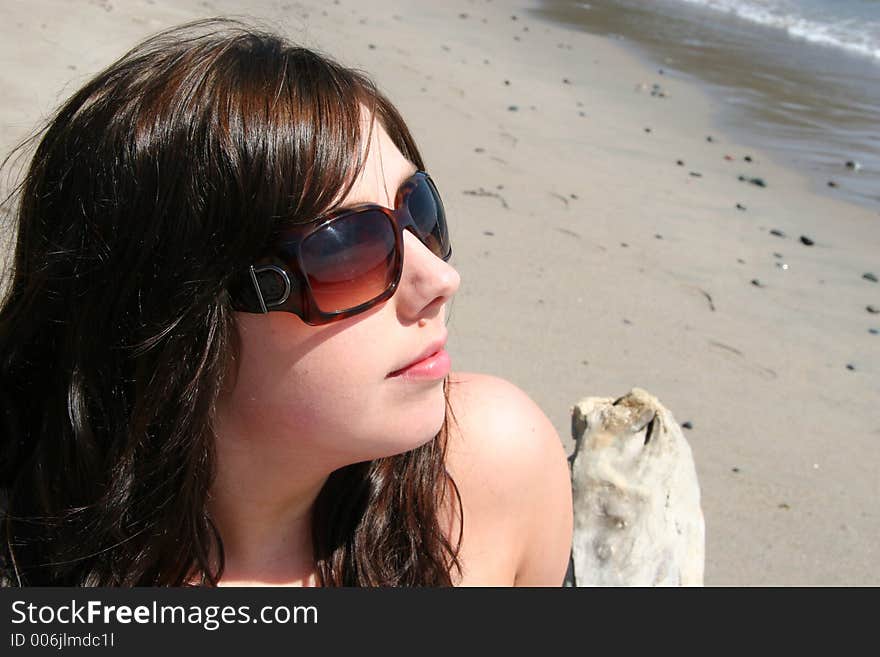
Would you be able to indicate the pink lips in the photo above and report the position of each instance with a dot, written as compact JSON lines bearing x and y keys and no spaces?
{"x":434,"y":367}
{"x":433,"y":363}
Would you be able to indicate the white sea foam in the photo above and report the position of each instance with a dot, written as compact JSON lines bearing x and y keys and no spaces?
{"x":857,"y":35}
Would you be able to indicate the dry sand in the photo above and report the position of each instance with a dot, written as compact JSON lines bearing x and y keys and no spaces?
{"x":567,"y":289}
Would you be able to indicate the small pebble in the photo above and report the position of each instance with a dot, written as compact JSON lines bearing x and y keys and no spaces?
{"x":710,"y":139}
{"x":574,"y":196}
{"x":372,"y":46}
{"x":757,"y":283}
{"x":741,"y":261}
{"x":626,"y":321}
{"x":759,"y":182}
{"x":776,"y":232}
{"x":680,"y":163}
{"x":660,"y":71}
{"x":658,"y":236}
{"x":507,"y":82}
{"x":740,"y":206}
{"x":687,"y":425}
{"x":806,"y":241}
{"x":479,"y":150}
{"x":852,"y":164}
{"x":488,"y":232}
{"x":624,"y":244}
{"x":850,"y":367}
{"x":868,"y":276}
{"x":566,"y":81}
{"x":777,"y":255}
{"x":512,"y":108}
{"x":734,"y":469}
{"x":647,"y":129}
{"x":748,"y":158}
{"x":783,"y":505}
{"x":831,"y":183}
{"x":874,"y":331}
{"x":696,"y":174}
{"x":873,"y":310}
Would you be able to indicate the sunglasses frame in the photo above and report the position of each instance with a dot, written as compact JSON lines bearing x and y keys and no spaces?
{"x":295,"y":291}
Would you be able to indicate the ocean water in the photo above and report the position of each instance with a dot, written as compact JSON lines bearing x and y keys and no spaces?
{"x":800,"y":78}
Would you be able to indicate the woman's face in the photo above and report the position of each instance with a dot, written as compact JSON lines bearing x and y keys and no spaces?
{"x":324,"y":391}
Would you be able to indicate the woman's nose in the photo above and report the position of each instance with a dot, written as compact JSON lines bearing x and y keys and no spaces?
{"x":427,"y":282}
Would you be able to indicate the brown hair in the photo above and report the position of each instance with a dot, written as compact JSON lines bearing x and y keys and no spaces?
{"x":150,"y":188}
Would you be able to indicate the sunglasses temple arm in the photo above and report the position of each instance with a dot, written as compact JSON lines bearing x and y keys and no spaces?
{"x":258,"y":291}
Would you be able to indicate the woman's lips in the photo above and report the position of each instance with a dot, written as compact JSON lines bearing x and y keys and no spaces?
{"x":436,"y":366}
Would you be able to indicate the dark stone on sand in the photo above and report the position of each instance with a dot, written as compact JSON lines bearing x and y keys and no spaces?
{"x":696,"y":174}
{"x":740,"y":206}
{"x":512,"y":108}
{"x":741,"y":261}
{"x":626,"y":321}
{"x":680,"y":163}
{"x":582,"y":113}
{"x":489,"y":233}
{"x":372,"y":46}
{"x":868,"y":276}
{"x":806,"y":241}
{"x":874,"y":331}
{"x":516,"y":37}
{"x":514,"y":17}
{"x":624,"y":244}
{"x":507,"y":82}
{"x":852,"y":164}
{"x":647,"y":129}
{"x":873,"y":310}
{"x":759,"y":182}
{"x":831,"y":183}
{"x":776,"y":232}
{"x":777,"y":255}
{"x":462,"y":15}
{"x":687,"y":425}
{"x":574,"y":196}
{"x":660,"y":71}
{"x":479,"y":150}
{"x":748,"y":158}
{"x":757,"y":283}
{"x":658,"y":236}
{"x":734,"y":469}
{"x":710,"y":139}
{"x":850,"y":367}
{"x":566,"y":81}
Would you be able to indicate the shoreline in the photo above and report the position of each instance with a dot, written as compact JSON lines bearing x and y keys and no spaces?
{"x":760,"y":101}
{"x":556,"y":195}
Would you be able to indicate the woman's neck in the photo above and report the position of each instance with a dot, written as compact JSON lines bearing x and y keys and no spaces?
{"x":263,"y":512}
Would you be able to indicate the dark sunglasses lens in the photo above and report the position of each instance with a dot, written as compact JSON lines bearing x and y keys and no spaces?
{"x":426,"y":209}
{"x":350,"y":261}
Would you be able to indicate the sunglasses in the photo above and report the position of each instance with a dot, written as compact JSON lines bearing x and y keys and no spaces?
{"x":347,"y":261}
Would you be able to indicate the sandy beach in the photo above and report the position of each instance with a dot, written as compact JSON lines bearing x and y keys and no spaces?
{"x":591,"y":261}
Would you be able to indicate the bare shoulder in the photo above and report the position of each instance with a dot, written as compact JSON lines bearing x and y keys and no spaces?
{"x":511,"y":469}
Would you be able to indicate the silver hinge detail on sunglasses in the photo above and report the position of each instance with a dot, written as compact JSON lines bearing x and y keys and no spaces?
{"x":264,"y":307}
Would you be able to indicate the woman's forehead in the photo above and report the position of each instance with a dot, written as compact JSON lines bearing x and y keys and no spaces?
{"x":385,"y":168}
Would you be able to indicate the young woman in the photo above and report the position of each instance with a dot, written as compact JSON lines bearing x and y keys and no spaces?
{"x":222,"y":352}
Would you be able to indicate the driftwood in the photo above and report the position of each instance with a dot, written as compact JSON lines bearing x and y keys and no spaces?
{"x":637,"y":515}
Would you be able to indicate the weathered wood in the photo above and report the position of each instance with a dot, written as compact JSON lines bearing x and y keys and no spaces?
{"x":637,"y":515}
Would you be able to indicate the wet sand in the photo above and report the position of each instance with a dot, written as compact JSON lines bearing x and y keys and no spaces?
{"x":591,"y":261}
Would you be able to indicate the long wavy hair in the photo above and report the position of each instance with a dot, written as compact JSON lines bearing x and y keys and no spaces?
{"x":147,"y":191}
